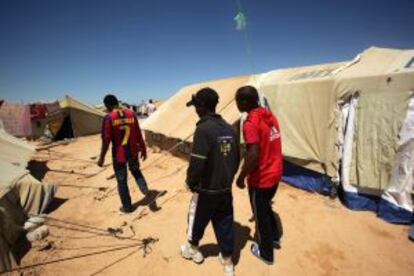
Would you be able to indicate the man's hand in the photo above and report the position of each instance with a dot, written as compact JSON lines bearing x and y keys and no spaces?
{"x":101,"y":161}
{"x":240,"y":182}
{"x":143,"y":155}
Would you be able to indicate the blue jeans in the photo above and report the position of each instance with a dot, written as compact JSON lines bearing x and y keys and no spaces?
{"x":122,"y":177}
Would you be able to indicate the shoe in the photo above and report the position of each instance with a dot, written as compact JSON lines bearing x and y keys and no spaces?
{"x":191,"y":253}
{"x":125,"y":210}
{"x":277,"y":244}
{"x":227,"y":264}
{"x":256,"y":252}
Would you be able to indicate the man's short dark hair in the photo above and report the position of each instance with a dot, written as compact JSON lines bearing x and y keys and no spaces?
{"x":110,"y":100}
{"x":205,"y":97}
{"x":249,"y":94}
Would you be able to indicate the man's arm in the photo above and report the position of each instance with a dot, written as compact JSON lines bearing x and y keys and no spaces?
{"x":106,"y":140}
{"x":198,"y":159}
{"x":251,"y":161}
{"x":141,"y":143}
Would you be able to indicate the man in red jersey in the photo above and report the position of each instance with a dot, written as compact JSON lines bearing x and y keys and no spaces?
{"x":120,"y":126}
{"x":263,"y":169}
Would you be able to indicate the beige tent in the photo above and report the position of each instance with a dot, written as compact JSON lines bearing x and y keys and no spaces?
{"x":21,"y":195}
{"x":341,"y":123}
{"x":378,"y":156}
{"x":74,"y":119}
{"x":174,"y":122}
{"x":346,"y":126}
{"x":384,"y":89}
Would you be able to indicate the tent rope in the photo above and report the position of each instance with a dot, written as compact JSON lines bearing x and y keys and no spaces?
{"x":145,"y":245}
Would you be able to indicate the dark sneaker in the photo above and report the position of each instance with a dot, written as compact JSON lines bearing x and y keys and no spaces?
{"x":125,"y":210}
{"x":256,"y":252}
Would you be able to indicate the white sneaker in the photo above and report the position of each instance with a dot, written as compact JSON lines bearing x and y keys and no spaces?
{"x":191,"y":253}
{"x":227,"y":264}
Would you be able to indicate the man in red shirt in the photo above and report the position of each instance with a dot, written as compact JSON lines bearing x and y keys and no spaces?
{"x":120,"y":126}
{"x":263,"y":169}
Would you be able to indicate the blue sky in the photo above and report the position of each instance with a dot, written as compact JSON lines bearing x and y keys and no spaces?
{"x":149,"y":49}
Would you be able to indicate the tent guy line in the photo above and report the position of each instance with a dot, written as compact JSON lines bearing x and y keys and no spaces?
{"x":143,"y":245}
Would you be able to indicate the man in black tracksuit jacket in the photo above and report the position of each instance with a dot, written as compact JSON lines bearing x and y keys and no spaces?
{"x":214,"y":162}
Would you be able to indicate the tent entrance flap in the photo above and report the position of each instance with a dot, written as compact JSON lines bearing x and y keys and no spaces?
{"x":65,"y":130}
{"x":353,"y":197}
{"x":396,"y":204}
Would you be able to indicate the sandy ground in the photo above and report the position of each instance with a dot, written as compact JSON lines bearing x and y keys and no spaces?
{"x":321,"y":237}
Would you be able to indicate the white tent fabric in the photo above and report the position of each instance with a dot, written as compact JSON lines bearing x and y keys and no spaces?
{"x":14,"y":150}
{"x":346,"y":154}
{"x":400,"y":190}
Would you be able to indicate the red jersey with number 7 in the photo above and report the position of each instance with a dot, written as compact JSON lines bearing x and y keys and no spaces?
{"x":121,"y":127}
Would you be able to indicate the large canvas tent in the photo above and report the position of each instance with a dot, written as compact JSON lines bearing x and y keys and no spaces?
{"x":345,"y":128}
{"x":74,"y":119}
{"x":378,"y":156}
{"x":347,"y":124}
{"x":21,"y":195}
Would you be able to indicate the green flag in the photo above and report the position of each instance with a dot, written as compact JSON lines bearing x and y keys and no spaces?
{"x":241,"y":22}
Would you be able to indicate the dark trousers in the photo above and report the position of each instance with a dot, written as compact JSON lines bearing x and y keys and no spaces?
{"x":268,"y":225}
{"x":122,"y":177}
{"x":219,"y":209}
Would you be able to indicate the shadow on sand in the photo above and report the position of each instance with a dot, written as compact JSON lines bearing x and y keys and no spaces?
{"x":241,"y":236}
{"x":150,"y":200}
{"x":38,"y":169}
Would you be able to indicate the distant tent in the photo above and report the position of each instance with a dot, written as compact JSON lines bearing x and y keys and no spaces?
{"x":66,"y":118}
{"x":21,"y":195}
{"x":348,"y":124}
{"x":74,"y":119}
{"x":38,"y":116}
